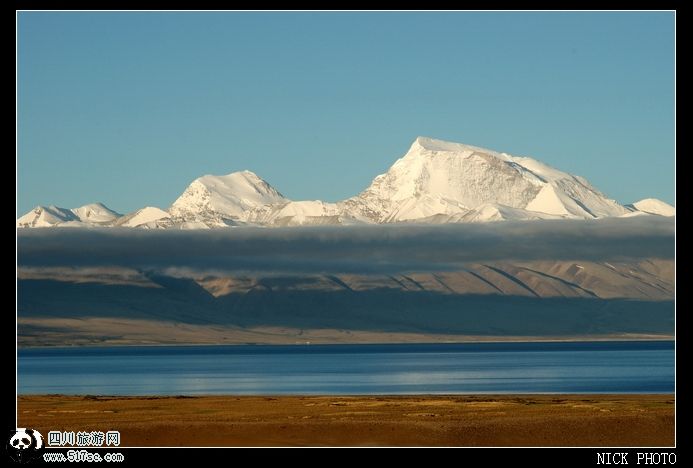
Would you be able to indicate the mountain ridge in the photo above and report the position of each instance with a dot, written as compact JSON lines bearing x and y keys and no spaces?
{"x":436,"y":181}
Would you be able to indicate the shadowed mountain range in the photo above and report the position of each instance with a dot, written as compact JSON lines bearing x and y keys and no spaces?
{"x":557,"y":300}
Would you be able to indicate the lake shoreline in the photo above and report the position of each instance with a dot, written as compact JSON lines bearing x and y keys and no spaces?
{"x":376,"y":420}
{"x":470,"y":340}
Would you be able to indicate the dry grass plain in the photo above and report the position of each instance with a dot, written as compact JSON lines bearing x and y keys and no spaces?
{"x":481,"y":420}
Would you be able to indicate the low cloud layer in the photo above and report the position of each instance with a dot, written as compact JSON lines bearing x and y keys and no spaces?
{"x":352,"y":249}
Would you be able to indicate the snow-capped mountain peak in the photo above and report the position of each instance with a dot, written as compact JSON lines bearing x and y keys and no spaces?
{"x":437,"y":176}
{"x":423,"y":143}
{"x":221,"y":200}
{"x":147,"y":217}
{"x":654,"y":206}
{"x":95,"y":213}
{"x":48,"y":216}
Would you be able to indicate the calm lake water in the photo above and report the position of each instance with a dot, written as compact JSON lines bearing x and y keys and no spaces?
{"x":592,"y":367}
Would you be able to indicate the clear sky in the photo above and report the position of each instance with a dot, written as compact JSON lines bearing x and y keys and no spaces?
{"x":129,"y":108}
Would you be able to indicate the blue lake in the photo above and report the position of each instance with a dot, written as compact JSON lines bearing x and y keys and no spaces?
{"x":587,"y":367}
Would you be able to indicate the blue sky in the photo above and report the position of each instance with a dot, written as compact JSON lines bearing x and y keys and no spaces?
{"x":129,"y":108}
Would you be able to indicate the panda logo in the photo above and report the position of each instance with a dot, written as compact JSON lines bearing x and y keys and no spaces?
{"x":24,"y":444}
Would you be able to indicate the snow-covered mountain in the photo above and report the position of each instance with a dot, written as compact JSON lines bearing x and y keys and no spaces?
{"x":437,"y":177}
{"x":434,"y":182}
{"x":224,"y":200}
{"x":653,"y":206}
{"x":299,"y":213}
{"x":148,"y":217}
{"x":95,"y":214}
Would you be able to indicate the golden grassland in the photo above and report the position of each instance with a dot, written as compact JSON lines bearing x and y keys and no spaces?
{"x":479,"y":420}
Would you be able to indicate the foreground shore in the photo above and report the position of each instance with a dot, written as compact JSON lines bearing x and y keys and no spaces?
{"x":483,"y":420}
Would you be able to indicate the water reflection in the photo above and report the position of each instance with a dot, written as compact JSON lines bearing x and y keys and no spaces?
{"x":645,"y":367}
